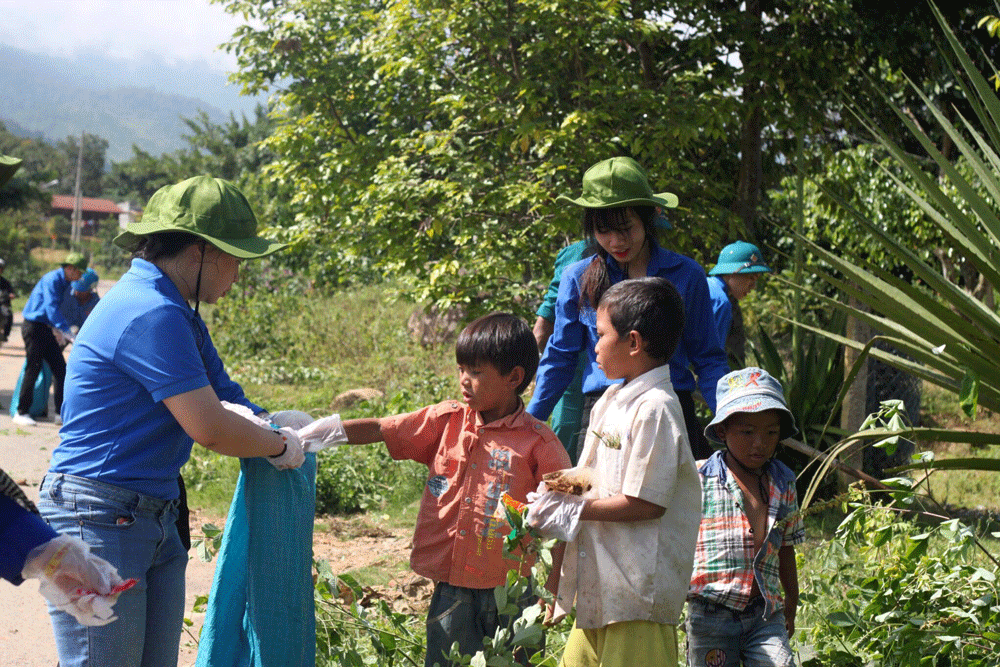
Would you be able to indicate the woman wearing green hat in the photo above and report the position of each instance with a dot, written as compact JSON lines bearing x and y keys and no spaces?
{"x":620,"y":211}
{"x":143,"y":383}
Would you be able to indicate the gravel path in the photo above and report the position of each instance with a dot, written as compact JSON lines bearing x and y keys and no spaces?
{"x":25,"y":634}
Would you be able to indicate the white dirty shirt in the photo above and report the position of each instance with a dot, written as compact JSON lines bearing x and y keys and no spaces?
{"x":639,"y":570}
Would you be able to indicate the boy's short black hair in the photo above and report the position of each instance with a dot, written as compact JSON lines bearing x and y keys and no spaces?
{"x":502,"y":340}
{"x":651,"y":306}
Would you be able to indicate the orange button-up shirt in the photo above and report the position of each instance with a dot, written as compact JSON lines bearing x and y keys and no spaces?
{"x":459,"y":537}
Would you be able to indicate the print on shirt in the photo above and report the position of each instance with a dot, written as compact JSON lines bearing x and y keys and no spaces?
{"x":500,"y":484}
{"x":715,"y":658}
{"x":437,"y":485}
{"x":609,"y":440}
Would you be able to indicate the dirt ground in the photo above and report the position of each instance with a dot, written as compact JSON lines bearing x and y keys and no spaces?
{"x":25,"y":634}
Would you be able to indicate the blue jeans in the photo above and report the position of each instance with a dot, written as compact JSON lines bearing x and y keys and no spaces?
{"x":466,"y":616}
{"x":137,"y":534}
{"x":720,"y":637}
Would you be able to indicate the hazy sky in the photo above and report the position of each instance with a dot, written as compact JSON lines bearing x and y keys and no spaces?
{"x":176,"y":30}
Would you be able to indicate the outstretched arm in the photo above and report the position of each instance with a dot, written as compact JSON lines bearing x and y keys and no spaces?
{"x":363,"y":431}
{"x":620,"y":508}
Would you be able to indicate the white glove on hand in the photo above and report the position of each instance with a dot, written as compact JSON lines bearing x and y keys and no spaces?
{"x":295,"y":419}
{"x":293,"y":456}
{"x":555,"y":514}
{"x":323,"y":433}
{"x":246,"y":413}
{"x":74,"y":580}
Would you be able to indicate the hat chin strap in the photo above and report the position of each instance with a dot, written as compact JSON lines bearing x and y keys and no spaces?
{"x":197,"y":284}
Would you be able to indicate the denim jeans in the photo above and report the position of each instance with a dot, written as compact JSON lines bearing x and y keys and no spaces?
{"x":466,"y":616}
{"x":137,"y":534}
{"x":720,"y":637}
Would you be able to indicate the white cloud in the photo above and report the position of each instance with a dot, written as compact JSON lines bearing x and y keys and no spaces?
{"x":176,"y":30}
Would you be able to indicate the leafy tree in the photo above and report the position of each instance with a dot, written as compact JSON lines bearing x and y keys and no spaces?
{"x":428,"y":140}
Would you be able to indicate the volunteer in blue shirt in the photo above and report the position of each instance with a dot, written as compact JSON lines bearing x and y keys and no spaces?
{"x":732,"y":278}
{"x":42,"y":315}
{"x":620,"y":211}
{"x":144,"y":382}
{"x":31,"y":549}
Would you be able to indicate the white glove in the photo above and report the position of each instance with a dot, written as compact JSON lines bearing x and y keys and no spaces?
{"x":293,"y":456}
{"x":295,"y":419}
{"x":554,"y":514}
{"x":246,"y":413}
{"x":323,"y":433}
{"x":75,"y":580}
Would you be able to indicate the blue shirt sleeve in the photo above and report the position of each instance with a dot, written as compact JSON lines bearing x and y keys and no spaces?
{"x":159,"y":351}
{"x":701,"y":341}
{"x":20,"y":532}
{"x":225,"y":388}
{"x":722,"y":309}
{"x":558,"y":364}
{"x":46,"y":298}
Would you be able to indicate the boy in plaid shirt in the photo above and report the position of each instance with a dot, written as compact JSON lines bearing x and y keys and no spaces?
{"x":744,"y":591}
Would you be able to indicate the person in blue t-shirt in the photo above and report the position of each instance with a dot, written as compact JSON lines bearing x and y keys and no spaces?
{"x":732,"y":278}
{"x":42,"y":319}
{"x":620,"y":211}
{"x":143,"y":383}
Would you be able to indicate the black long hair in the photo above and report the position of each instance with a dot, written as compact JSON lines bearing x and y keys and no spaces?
{"x":595,"y":280}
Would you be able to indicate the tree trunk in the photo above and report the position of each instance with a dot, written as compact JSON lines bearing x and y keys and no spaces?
{"x":747,"y":200}
{"x":854,"y":410}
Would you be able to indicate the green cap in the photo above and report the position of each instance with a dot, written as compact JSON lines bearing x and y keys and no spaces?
{"x":79,"y":260}
{"x":210,"y":208}
{"x":740,"y":257}
{"x":8,"y":165}
{"x":619,"y":181}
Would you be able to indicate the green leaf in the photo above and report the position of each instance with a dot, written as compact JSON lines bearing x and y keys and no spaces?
{"x":968,"y":395}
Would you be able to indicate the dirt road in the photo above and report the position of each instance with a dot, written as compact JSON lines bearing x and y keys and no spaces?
{"x":25,"y":634}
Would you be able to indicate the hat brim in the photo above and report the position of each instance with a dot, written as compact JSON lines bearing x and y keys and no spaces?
{"x":750,"y":404}
{"x":253,"y":247}
{"x":8,"y":167}
{"x":736,"y":267}
{"x":663,"y":199}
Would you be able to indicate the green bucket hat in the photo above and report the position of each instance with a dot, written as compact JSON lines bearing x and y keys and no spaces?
{"x":8,"y":165}
{"x":210,"y":208}
{"x":619,"y":181}
{"x":79,"y":260}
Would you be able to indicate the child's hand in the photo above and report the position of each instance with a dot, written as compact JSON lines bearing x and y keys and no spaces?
{"x":790,"y":621}
{"x":555,"y":514}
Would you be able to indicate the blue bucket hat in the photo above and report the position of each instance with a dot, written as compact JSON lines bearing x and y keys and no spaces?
{"x":86,"y":281}
{"x":749,"y":390}
{"x":740,"y":257}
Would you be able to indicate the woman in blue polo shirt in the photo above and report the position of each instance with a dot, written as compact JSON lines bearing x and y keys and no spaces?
{"x":620,"y":215}
{"x":143,"y":383}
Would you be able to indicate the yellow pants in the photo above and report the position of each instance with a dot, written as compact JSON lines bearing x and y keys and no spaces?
{"x":626,"y":644}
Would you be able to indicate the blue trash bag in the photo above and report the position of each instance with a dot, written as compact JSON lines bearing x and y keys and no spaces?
{"x":40,"y":400}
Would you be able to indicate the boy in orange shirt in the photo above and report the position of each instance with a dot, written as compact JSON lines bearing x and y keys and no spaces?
{"x":475,"y":452}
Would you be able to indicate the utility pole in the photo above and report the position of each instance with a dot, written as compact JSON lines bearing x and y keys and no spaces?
{"x":76,"y":222}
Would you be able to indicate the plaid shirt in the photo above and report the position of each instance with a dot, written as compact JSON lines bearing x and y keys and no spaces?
{"x":725,"y":564}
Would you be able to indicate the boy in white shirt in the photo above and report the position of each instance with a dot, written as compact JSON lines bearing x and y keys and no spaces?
{"x":631,"y":539}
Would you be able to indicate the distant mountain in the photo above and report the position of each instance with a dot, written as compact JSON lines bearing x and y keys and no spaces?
{"x":126,"y":102}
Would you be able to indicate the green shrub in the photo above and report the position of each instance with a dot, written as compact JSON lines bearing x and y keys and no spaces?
{"x":889,"y":591}
{"x":357,"y":478}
